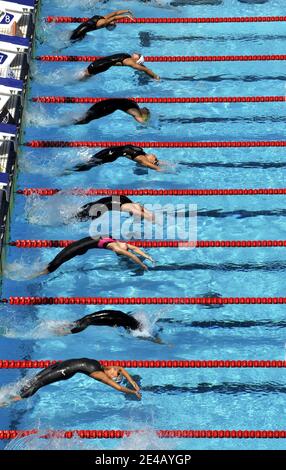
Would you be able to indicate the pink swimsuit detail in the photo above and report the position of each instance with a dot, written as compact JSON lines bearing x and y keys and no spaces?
{"x":104,"y":241}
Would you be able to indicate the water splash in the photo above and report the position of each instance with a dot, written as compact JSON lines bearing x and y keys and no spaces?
{"x":54,"y":163}
{"x":60,"y":76}
{"x":21,"y":270}
{"x":143,"y":440}
{"x":37,"y":117}
{"x":47,"y":329}
{"x":10,"y":391}
{"x":55,"y":211}
{"x":148,"y":323}
{"x":49,"y":34}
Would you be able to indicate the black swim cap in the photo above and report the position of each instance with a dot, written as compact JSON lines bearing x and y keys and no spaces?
{"x":110,"y":27}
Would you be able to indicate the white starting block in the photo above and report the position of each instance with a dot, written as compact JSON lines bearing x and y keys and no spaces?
{"x":16,"y":17}
{"x":13,"y":64}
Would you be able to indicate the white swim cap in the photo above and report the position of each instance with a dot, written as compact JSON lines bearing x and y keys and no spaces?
{"x":140,"y":61}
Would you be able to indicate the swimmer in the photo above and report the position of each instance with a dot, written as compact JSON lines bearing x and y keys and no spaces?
{"x":99,"y":22}
{"x":109,"y":106}
{"x":93,"y":210}
{"x":66,"y":369}
{"x":135,"y":61}
{"x":110,"y":154}
{"x":80,"y":247}
{"x":114,"y":318}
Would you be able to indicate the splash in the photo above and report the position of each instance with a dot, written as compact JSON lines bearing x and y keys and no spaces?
{"x":60,"y":76}
{"x":143,"y":440}
{"x":49,"y":34}
{"x":47,"y":329}
{"x":21,"y":270}
{"x":54,"y":163}
{"x":38,"y":117}
{"x":146,"y":439}
{"x":58,"y":210}
{"x":10,"y":391}
{"x":148,"y":323}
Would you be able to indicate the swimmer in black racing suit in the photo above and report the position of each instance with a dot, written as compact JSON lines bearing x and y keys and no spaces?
{"x":93,"y":210}
{"x":98,"y":22}
{"x":82,"y":246}
{"x":111,"y":154}
{"x":66,"y":369}
{"x":135,"y":61}
{"x":109,"y":106}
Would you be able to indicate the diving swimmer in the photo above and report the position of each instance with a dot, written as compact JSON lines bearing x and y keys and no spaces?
{"x":66,"y":369}
{"x":99,"y":22}
{"x":109,"y":106}
{"x":114,"y":318}
{"x":80,"y":247}
{"x":135,"y":61}
{"x":110,"y":154}
{"x":93,"y":210}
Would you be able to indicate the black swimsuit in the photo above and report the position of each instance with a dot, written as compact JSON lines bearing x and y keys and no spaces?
{"x":93,"y":210}
{"x":90,"y":25}
{"x":103,"y":64}
{"x":60,"y":371}
{"x":106,"y":318}
{"x":105,"y":107}
{"x":77,"y":248}
{"x":110,"y":155}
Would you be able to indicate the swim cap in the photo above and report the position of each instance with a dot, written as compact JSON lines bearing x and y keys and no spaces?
{"x":111,"y":27}
{"x":140,"y":61}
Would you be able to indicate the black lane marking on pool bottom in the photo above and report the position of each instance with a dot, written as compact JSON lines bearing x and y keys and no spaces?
{"x":225,"y":388}
{"x":201,"y":120}
{"x":228,"y":267}
{"x":146,"y":38}
{"x":226,"y":78}
{"x":224,"y":324}
{"x":247,"y":164}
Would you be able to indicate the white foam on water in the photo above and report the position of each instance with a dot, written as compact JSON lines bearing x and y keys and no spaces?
{"x":53,"y":211}
{"x":21,"y":270}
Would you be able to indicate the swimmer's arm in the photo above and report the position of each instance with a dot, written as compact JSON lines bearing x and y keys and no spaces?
{"x":147,"y":164}
{"x":118,"y":12}
{"x":140,"y":252}
{"x":129,"y":378}
{"x":132,"y":256}
{"x":102,"y":377}
{"x":142,"y":68}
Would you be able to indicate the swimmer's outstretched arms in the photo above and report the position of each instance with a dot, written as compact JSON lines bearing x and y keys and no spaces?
{"x":111,"y":154}
{"x":135,"y":61}
{"x":64,"y":370}
{"x":98,"y":22}
{"x":109,"y":106}
{"x":80,"y":247}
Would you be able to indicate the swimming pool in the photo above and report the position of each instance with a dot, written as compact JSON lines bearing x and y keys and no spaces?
{"x":173,"y":399}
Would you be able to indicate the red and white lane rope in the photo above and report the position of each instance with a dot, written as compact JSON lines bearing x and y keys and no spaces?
{"x":157,"y":58}
{"x":167,"y":144}
{"x":155,"y":192}
{"x":159,"y":364}
{"x":195,"y":99}
{"x":162,"y":433}
{"x":21,"y":301}
{"x":161,"y":243}
{"x":231,"y":19}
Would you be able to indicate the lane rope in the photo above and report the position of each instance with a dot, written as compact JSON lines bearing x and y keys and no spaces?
{"x":187,"y":58}
{"x":158,"y":364}
{"x":177,"y":144}
{"x":19,"y":301}
{"x":161,"y":243}
{"x":232,"y":19}
{"x":198,"y":99}
{"x":154,"y":192}
{"x":162,"y":433}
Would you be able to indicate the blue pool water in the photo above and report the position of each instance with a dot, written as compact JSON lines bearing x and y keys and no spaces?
{"x":172,"y":399}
